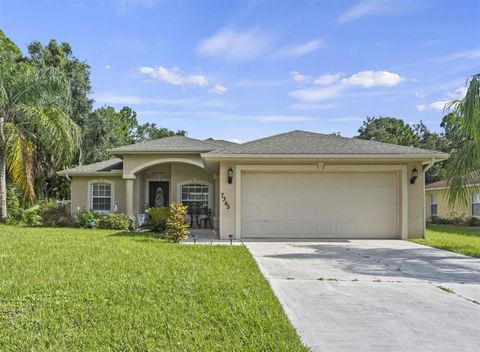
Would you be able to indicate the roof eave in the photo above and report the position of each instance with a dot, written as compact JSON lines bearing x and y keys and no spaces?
{"x":426,"y":157}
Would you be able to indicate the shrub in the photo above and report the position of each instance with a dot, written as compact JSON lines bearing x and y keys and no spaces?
{"x":115,"y":222}
{"x":31,"y":216}
{"x":177,"y":229}
{"x":435,"y":219}
{"x":86,"y":219}
{"x":55,"y":215}
{"x":456,"y":219}
{"x":14,"y":208}
{"x":473,"y":221}
{"x":157,"y":219}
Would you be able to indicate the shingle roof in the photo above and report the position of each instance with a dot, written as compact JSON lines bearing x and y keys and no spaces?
{"x":474,"y":179}
{"x":301,"y":142}
{"x":102,"y":166}
{"x":175,"y":144}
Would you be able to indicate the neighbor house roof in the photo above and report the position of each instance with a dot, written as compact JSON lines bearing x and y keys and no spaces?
{"x":474,"y":179}
{"x":102,"y":167}
{"x":301,"y":142}
{"x":175,"y":144}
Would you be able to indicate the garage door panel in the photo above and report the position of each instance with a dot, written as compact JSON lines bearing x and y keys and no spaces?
{"x":319,"y":205}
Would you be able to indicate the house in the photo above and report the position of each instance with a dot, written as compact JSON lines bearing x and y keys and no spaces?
{"x":291,"y":185}
{"x":437,"y":201}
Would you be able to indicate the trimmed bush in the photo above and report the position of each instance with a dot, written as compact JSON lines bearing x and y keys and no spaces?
{"x":177,"y":229}
{"x":53,"y":215}
{"x":86,"y":218}
{"x":157,"y":219}
{"x":115,"y":222}
{"x":473,"y":221}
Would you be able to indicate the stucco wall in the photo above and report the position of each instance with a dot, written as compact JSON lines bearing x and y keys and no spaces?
{"x":443,"y":208}
{"x":416,"y":219}
{"x":415,"y":200}
{"x":79,"y":191}
{"x":131,"y":163}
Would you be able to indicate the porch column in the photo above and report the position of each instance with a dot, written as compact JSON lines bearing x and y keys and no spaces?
{"x":129,"y":197}
{"x":216,"y":201}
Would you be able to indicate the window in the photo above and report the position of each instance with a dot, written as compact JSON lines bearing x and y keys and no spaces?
{"x":476,"y":204}
{"x":195,"y":195}
{"x":101,"y":196}
{"x":433,"y":204}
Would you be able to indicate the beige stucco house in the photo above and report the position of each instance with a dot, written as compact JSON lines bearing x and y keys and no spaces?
{"x":436,"y":200}
{"x":292,"y":185}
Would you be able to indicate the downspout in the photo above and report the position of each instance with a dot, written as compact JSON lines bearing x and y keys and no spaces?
{"x":429,"y":165}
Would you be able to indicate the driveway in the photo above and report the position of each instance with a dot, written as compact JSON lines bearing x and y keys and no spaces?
{"x":375,"y":295}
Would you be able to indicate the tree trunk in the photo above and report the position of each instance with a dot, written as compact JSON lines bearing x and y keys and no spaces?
{"x":3,"y":175}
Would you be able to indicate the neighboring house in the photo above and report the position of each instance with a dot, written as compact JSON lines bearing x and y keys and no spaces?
{"x":436,"y":200}
{"x":292,"y":185}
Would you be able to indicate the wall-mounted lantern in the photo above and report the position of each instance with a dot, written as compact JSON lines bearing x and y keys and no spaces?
{"x":230,"y":175}
{"x":414,"y":176}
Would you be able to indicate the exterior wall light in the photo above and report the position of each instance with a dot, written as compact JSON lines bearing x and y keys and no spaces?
{"x":414,"y":176}
{"x":230,"y":175}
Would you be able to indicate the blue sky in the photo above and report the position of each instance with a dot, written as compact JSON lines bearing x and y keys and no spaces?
{"x":244,"y":70}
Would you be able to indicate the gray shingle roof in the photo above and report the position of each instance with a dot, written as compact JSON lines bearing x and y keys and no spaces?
{"x":175,"y":144}
{"x":102,"y":166}
{"x":301,"y":142}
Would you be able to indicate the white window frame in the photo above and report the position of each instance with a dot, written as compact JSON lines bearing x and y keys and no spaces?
{"x":90,"y":195}
{"x":475,"y":195}
{"x":197,"y":183}
{"x":433,"y":201}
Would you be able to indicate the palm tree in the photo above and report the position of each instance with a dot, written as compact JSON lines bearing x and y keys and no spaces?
{"x":463,"y":167}
{"x":32,"y":120}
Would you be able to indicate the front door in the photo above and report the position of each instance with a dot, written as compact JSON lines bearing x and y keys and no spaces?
{"x":158,"y":194}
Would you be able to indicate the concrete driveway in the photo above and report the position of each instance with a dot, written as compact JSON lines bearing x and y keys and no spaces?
{"x":375,"y":295}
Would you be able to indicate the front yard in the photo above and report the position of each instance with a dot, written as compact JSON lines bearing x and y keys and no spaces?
{"x":458,"y":239}
{"x":73,"y":289}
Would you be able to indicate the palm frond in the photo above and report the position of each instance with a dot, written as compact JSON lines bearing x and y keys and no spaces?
{"x":51,"y":129}
{"x":19,"y":158}
{"x":464,"y":164}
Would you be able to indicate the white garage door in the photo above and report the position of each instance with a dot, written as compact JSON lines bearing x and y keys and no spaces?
{"x":319,"y":205}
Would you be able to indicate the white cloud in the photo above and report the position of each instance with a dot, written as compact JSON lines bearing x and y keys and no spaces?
{"x":173,"y":76}
{"x":439,"y":105}
{"x":373,"y":78}
{"x":107,"y":67}
{"x":317,"y":94}
{"x":235,"y":46}
{"x":297,"y":76}
{"x":123,"y":6}
{"x":459,"y":93}
{"x":300,"y":49}
{"x":219,"y":89}
{"x":421,"y":107}
{"x":327,"y":79}
{"x":380,"y":7}
{"x":113,"y":98}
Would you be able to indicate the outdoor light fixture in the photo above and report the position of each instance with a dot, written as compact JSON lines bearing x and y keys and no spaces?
{"x":230,"y":175}
{"x":414,"y":176}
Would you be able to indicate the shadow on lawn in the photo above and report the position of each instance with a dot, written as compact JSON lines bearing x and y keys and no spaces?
{"x":140,"y":236}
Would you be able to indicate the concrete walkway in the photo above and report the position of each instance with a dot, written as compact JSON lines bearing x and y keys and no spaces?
{"x":375,"y":295}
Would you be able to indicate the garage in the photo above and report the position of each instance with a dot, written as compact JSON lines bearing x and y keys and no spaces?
{"x":319,"y":205}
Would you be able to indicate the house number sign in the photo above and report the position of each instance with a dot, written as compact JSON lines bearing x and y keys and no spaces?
{"x":224,"y":200}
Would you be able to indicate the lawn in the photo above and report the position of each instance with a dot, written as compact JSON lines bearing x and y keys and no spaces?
{"x":92,"y":290}
{"x":458,"y":239}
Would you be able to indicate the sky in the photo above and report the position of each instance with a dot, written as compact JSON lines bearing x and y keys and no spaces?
{"x":245,"y":70}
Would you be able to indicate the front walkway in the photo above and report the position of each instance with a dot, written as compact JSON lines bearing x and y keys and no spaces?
{"x":375,"y":295}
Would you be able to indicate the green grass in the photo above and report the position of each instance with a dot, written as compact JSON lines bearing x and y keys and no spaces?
{"x":92,"y":290}
{"x":458,"y":239}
